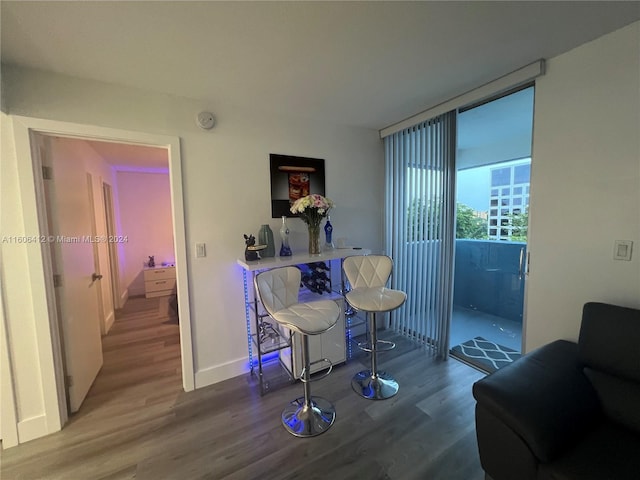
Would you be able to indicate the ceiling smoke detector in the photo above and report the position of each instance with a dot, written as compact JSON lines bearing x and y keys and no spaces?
{"x":206,"y":120}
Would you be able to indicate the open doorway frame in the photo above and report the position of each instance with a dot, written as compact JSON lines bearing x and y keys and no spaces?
{"x":109,"y":213}
{"x":33,"y":205}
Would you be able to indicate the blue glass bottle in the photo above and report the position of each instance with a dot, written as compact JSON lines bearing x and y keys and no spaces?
{"x":285,"y":250}
{"x":328,"y":234}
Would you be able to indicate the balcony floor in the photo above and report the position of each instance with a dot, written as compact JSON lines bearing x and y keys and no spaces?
{"x":467,"y":324}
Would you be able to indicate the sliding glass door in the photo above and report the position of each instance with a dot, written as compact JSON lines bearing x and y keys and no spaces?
{"x":457,"y":197}
{"x":493,"y":178}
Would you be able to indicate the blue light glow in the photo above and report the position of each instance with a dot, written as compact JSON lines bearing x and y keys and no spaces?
{"x":247,"y":315}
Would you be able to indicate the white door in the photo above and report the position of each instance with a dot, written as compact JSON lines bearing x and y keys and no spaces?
{"x":68,"y":204}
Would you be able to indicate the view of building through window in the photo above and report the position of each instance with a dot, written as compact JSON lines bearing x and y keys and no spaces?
{"x":493,"y":201}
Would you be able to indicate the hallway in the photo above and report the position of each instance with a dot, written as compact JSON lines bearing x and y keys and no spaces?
{"x":136,"y":388}
{"x":142,"y":346}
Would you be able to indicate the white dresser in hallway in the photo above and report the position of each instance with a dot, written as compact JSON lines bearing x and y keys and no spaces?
{"x":159,"y":281}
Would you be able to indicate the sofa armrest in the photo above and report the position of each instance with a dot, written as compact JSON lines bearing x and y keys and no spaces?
{"x":544,"y":397}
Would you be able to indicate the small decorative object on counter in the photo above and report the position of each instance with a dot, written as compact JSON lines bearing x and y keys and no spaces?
{"x":312,"y":209}
{"x":152,"y":262}
{"x":265,"y":237}
{"x":328,"y":230}
{"x":250,"y":241}
{"x":251,"y":250}
{"x":285,"y":249}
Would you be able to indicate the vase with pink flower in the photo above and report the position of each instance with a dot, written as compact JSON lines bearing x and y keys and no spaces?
{"x":312,"y":209}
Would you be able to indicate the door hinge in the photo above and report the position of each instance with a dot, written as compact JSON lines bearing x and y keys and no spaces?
{"x":69,"y":381}
{"x":47,"y":173}
{"x":57,"y":280}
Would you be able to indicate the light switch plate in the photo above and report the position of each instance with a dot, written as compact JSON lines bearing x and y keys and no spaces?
{"x":201,"y":250}
{"x":622,"y":250}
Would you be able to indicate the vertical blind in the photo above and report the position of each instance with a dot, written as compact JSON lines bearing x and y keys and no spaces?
{"x":420,"y":227}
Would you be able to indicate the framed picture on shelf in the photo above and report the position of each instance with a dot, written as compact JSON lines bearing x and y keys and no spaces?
{"x":293,"y":178}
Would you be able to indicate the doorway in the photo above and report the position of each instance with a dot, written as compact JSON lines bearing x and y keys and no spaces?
{"x":492,"y":178}
{"x":43,"y":299}
{"x":85,"y":224}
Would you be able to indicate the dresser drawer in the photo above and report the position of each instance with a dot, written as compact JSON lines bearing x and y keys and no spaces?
{"x":153,"y":274}
{"x":159,"y":281}
{"x":158,"y":285}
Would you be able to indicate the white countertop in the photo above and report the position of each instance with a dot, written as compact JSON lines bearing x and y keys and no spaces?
{"x":300,"y":258}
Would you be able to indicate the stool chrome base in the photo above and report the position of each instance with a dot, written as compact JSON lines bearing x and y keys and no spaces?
{"x":380,"y":387}
{"x":302,"y":421}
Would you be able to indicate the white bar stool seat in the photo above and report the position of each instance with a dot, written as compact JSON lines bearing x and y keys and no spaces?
{"x":367,"y":276}
{"x":278,"y":290}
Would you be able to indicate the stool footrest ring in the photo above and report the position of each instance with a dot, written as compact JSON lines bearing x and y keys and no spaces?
{"x":318,"y":377}
{"x":381,"y":346}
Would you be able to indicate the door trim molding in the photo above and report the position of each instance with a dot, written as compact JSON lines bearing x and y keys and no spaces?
{"x":8,"y":416}
{"x":31,"y":192}
{"x":41,"y":279}
{"x":107,"y":196}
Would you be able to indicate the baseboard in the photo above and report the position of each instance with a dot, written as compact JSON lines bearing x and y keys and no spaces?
{"x":108,"y":323}
{"x":124,"y":297}
{"x":34,"y":427}
{"x":211,"y":375}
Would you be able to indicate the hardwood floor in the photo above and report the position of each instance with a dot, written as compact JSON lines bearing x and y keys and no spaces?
{"x":138,"y":423}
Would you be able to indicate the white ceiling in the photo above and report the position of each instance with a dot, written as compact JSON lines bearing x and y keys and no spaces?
{"x":365,"y":64}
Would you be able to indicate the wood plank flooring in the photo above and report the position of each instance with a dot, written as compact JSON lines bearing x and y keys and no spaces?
{"x":138,"y":423}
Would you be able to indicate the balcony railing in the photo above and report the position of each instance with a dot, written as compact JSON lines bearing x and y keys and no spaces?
{"x":488,"y":277}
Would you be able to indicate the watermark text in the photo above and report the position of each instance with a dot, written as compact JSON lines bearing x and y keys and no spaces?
{"x":23,"y":239}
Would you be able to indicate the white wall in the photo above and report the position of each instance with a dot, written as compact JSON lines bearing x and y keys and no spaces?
{"x":145,"y":221}
{"x":585,"y":183}
{"x":226,"y":194}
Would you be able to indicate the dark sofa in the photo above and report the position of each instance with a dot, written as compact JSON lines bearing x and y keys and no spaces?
{"x":566,"y":410}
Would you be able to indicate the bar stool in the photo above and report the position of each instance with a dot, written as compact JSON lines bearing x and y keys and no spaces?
{"x":278,"y":290}
{"x":368,"y":276}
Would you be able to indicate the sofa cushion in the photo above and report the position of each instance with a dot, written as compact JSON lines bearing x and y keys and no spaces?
{"x":544,"y":397}
{"x":608,"y":452}
{"x":620,"y":398}
{"x":610,"y":339}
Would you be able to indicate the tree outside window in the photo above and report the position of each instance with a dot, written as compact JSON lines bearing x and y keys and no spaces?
{"x":469,"y":224}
